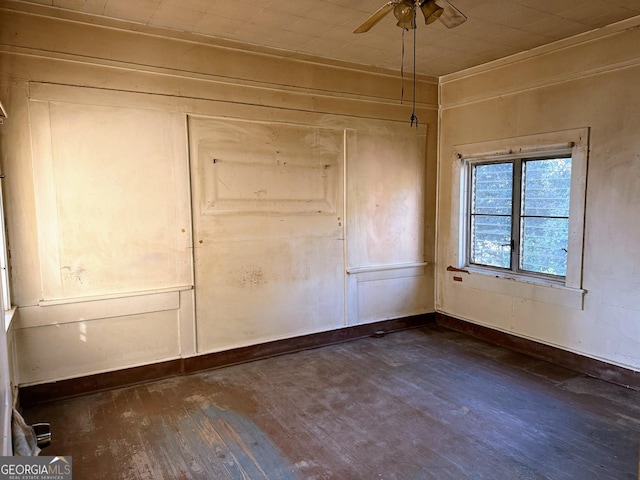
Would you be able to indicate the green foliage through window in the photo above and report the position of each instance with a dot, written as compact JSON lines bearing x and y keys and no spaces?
{"x":519,"y":215}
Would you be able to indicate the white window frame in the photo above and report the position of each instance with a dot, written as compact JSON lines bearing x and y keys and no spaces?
{"x":574,"y":142}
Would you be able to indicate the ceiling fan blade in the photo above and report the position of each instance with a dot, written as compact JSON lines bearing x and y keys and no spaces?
{"x":451,"y":17}
{"x":375,"y":18}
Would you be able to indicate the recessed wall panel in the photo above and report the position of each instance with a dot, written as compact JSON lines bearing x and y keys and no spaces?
{"x":268,"y":226}
{"x":250,"y":167}
{"x":111,"y":211}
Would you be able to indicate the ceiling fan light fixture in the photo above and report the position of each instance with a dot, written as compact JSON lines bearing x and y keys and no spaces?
{"x":407,"y":25}
{"x":404,"y":12}
{"x":431,"y":11}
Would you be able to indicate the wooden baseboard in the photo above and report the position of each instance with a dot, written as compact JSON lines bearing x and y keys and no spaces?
{"x":290,"y":345}
{"x":35,"y":394}
{"x":579,"y":363}
{"x":47,"y":392}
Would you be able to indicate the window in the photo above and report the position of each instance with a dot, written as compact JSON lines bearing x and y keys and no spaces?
{"x":521,"y":208}
{"x":519,"y":214}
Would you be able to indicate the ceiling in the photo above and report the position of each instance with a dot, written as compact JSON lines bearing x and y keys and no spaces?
{"x":324,"y":28}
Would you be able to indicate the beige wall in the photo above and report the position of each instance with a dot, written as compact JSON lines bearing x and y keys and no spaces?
{"x":104,"y":214}
{"x":102,"y":194}
{"x":590,"y":82}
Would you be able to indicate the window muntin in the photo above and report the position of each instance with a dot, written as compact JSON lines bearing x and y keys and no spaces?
{"x":519,"y":215}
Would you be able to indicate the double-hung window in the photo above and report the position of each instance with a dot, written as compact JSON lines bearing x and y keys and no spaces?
{"x":519,"y":214}
{"x":522,"y":206}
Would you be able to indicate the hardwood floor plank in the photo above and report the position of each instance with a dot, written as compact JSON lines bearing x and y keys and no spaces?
{"x":419,"y":404}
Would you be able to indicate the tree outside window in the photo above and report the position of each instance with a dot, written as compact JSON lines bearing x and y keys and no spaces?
{"x":519,"y":214}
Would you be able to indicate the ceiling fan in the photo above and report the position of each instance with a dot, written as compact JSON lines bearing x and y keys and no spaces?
{"x":405,"y":13}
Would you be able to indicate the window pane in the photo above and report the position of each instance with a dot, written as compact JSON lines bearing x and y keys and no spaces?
{"x":546,"y":185}
{"x":544,"y":245}
{"x":492,"y":188}
{"x":491,"y":240}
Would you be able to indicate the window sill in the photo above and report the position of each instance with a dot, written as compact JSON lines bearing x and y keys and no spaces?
{"x":529,"y":288}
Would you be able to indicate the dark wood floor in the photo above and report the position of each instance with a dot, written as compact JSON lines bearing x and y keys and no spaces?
{"x":419,"y":404}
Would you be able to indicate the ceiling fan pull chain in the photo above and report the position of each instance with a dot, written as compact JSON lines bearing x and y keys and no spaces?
{"x":402,"y":70}
{"x":413,"y":113}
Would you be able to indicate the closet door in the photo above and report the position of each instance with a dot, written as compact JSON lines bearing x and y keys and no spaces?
{"x":268,"y":230}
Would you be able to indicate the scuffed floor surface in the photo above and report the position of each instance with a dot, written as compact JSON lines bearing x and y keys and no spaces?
{"x":418,"y":404}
